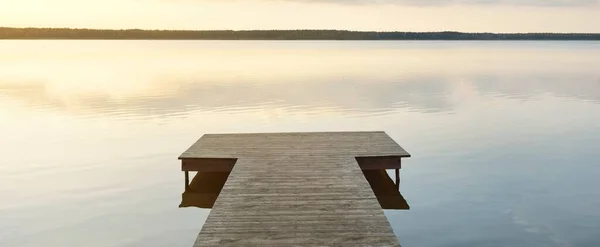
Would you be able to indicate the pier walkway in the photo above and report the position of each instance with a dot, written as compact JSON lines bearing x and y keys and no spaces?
{"x":295,"y":189}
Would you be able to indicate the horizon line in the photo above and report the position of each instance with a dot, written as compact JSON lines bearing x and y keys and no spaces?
{"x":308,"y":29}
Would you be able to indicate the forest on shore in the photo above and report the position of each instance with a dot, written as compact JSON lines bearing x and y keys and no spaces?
{"x":69,"y":33}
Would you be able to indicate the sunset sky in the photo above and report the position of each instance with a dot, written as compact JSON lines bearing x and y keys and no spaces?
{"x":404,"y":15}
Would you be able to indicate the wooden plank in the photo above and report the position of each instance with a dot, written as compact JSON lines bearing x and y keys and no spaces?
{"x":379,"y":163}
{"x":296,"y":189}
{"x":207,"y":164}
{"x":226,"y":165}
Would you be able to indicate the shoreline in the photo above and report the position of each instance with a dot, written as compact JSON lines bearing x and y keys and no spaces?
{"x":9,"y":33}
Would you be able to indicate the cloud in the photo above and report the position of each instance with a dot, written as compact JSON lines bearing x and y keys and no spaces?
{"x":550,"y":3}
{"x":505,"y":2}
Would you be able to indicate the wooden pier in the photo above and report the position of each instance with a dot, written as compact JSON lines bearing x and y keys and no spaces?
{"x":295,"y":189}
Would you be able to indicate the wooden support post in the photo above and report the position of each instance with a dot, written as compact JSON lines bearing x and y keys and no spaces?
{"x":187,"y":179}
{"x":398,"y":179}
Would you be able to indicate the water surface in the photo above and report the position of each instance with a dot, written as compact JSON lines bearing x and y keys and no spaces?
{"x":504,"y":135}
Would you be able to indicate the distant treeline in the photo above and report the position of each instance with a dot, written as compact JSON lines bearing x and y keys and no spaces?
{"x":67,"y":33}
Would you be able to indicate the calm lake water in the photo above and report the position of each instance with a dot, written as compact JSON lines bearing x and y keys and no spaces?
{"x":505,"y":136}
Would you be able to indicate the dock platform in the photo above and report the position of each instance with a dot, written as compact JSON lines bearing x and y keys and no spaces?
{"x":295,"y":189}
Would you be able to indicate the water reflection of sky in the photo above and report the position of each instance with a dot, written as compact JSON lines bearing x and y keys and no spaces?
{"x":349,"y":96}
{"x":504,"y":135}
{"x":347,"y":81}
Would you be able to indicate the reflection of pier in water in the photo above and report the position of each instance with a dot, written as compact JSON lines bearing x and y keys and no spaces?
{"x":203,"y":190}
{"x":294,"y":189}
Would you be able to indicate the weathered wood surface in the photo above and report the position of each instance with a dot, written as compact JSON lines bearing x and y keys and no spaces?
{"x":296,"y":189}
